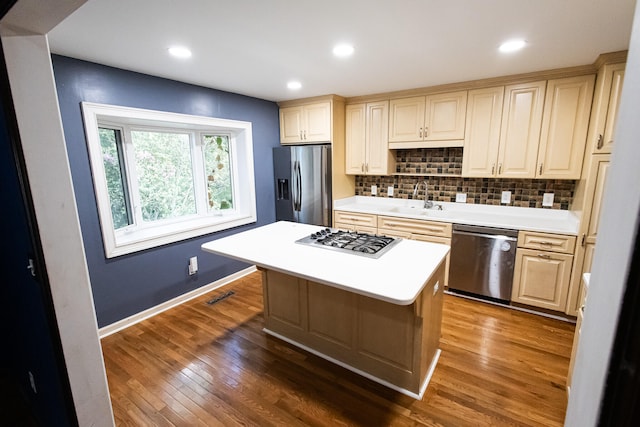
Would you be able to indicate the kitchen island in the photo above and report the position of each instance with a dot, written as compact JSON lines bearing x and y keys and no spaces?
{"x":378,"y":317}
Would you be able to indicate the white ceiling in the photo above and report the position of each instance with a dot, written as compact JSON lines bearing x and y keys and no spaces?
{"x":254,"y":47}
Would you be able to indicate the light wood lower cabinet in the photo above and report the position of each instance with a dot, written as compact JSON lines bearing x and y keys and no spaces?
{"x":354,"y":221}
{"x":542,"y":273}
{"x":576,"y":337}
{"x":416,"y":229}
{"x":393,"y":343}
{"x":541,"y":279}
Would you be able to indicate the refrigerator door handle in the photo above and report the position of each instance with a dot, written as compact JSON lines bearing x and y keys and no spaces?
{"x":299,"y":198}
{"x":295,"y":186}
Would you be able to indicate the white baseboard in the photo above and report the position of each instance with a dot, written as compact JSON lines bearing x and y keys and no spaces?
{"x":150,"y":312}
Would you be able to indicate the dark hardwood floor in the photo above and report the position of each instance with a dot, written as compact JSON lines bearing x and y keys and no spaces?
{"x":209,"y":365}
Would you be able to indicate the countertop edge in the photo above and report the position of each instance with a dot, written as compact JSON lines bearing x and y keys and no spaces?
{"x":568,"y":226}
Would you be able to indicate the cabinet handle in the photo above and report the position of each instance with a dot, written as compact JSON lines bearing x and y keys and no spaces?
{"x":304,"y":132}
{"x":544,"y":256}
{"x":426,"y":131}
{"x":366,"y":167}
{"x":600,"y":141}
{"x":540,"y":170}
{"x":362,"y":167}
{"x":499,"y":168}
{"x":493,"y":168}
{"x":584,"y":236}
{"x":301,"y":136}
{"x":420,"y":132}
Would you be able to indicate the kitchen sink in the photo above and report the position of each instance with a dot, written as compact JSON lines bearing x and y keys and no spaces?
{"x":411,"y":210}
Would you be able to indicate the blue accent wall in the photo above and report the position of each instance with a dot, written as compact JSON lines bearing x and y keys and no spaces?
{"x":128,"y":284}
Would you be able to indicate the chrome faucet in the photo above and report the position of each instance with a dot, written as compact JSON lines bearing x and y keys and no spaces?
{"x":428,"y":204}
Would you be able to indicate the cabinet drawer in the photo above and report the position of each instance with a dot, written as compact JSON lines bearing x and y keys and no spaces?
{"x":355,"y":218}
{"x":356,"y":228}
{"x":415,"y":226}
{"x":394,"y":233}
{"x":547,"y":242}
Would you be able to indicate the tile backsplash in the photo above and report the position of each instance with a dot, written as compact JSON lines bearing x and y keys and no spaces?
{"x":487,"y":191}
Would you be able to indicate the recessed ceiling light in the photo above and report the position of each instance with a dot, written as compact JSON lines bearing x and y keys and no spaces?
{"x":343,"y":50}
{"x":180,"y":52}
{"x":294,"y":85}
{"x":512,"y":45}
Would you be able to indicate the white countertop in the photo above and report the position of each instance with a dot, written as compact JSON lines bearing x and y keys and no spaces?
{"x":517,"y":218}
{"x":397,"y":276}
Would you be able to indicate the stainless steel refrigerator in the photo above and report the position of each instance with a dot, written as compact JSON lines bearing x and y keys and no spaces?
{"x":303,"y":183}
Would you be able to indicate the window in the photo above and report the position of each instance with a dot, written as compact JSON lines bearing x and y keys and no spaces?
{"x":162,"y":177}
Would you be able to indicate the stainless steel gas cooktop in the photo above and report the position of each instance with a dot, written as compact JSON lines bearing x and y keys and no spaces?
{"x":363,"y":244}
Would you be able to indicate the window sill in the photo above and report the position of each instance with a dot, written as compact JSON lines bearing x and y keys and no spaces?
{"x":126,"y":242}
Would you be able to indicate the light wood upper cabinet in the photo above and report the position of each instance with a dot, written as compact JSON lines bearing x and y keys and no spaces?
{"x":305,"y":123}
{"x":482,"y":133}
{"x":520,"y":131}
{"x":564,"y":127}
{"x":407,"y":119}
{"x":612,"y":111}
{"x":515,"y":110}
{"x":355,"y":139}
{"x":605,"y":107}
{"x":367,"y":148}
{"x":428,"y":121}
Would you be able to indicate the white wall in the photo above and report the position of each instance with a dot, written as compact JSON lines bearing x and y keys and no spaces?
{"x":616,"y":236}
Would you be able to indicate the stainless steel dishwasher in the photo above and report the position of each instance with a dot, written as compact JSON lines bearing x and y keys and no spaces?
{"x":482,"y":261}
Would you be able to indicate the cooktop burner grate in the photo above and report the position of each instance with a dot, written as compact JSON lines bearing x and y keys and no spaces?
{"x":368,"y":245}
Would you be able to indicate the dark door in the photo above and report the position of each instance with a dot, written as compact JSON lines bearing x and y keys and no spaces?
{"x":32,"y":364}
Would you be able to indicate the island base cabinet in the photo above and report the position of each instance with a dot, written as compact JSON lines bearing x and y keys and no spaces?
{"x":396,"y":345}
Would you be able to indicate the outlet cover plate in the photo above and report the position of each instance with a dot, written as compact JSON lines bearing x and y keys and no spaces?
{"x":506,"y":197}
{"x":390,"y":191}
{"x":461,"y":197}
{"x":547,"y":199}
{"x":374,"y":190}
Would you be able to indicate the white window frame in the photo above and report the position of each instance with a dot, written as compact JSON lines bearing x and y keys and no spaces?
{"x":138,"y":237}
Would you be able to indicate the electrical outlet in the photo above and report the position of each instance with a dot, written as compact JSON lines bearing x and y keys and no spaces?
{"x":506,"y":197}
{"x":390,"y":191}
{"x":461,"y":197}
{"x":374,"y":190}
{"x":547,"y":199}
{"x":193,"y":265}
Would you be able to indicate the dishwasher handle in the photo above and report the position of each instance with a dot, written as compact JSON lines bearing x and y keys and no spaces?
{"x":487,"y":236}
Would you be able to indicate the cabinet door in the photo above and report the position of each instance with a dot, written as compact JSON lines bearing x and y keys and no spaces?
{"x":355,"y":139}
{"x":317,"y":122}
{"x":520,"y":131}
{"x":377,"y":145}
{"x":445,"y":116}
{"x":482,"y":134}
{"x":589,"y":250}
{"x":598,"y":194}
{"x":284,"y":301}
{"x":612,"y":110}
{"x":291,"y":125}
{"x":541,"y":279}
{"x":406,"y":119}
{"x":564,"y":127}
